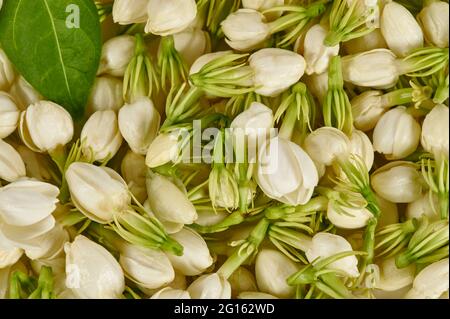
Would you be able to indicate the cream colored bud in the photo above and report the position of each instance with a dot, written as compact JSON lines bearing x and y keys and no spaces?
{"x":400,"y":29}
{"x":398,"y":182}
{"x":168,"y":202}
{"x":47,"y":246}
{"x":351,"y":218}
{"x":326,"y":144}
{"x":272,"y":269}
{"x":317,"y":54}
{"x":124,"y":12}
{"x":397,"y":134}
{"x":285,"y":172}
{"x":7,"y":72}
{"x":24,"y":94}
{"x":368,"y":108}
{"x":435,"y":131}
{"x":203,"y":60}
{"x":134,"y":172}
{"x":116,"y":55}
{"x":163,"y":149}
{"x":9,"y":115}
{"x":91,"y":271}
{"x":376,"y":69}
{"x":100,"y":137}
{"x":276,"y":70}
{"x":139,"y":123}
{"x":426,"y":205}
{"x":166,"y":17}
{"x":45,"y":126}
{"x":12,"y":166}
{"x":391,"y":278}
{"x":106,"y":94}
{"x":196,"y":257}
{"x":325,"y":245}
{"x":242,"y":280}
{"x":212,"y":286}
{"x":318,"y":85}
{"x":245,"y":29}
{"x":431,"y":282}
{"x":370,"y":41}
{"x":191,"y":44}
{"x":435,"y":23}
{"x":98,"y":192}
{"x":262,"y":5}
{"x":361,"y":146}
{"x":170,"y":293}
{"x":147,"y":267}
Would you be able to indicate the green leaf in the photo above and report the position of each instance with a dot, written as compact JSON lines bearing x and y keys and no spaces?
{"x":55,"y":55}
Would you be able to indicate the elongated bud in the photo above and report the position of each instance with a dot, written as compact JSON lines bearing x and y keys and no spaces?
{"x":167,"y":17}
{"x":435,"y":131}
{"x":276,"y":70}
{"x":435,"y":23}
{"x":398,"y":182}
{"x":116,"y":54}
{"x":125,"y":13}
{"x":106,"y":94}
{"x":91,"y":271}
{"x":317,"y":54}
{"x":100,"y":137}
{"x":12,"y":166}
{"x":196,"y":258}
{"x":397,"y":134}
{"x":272,"y":268}
{"x":245,"y":29}
{"x":37,"y":134}
{"x":139,"y":123}
{"x":192,"y":44}
{"x":212,"y":286}
{"x":9,"y":115}
{"x":400,"y":29}
{"x":324,"y":245}
{"x":326,"y":144}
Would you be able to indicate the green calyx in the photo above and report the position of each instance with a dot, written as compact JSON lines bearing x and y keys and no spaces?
{"x":104,"y":10}
{"x":436,"y":175}
{"x":337,"y":109}
{"x":137,"y":227}
{"x":225,"y":76}
{"x":214,"y":12}
{"x":22,"y":286}
{"x":326,"y":280}
{"x":239,"y":103}
{"x":424,"y":62}
{"x":172,"y":69}
{"x":391,"y":239}
{"x":246,"y":249}
{"x":140,"y":77}
{"x":348,"y":22}
{"x":428,"y":244}
{"x":294,"y":22}
{"x":297,"y":112}
{"x":182,"y":103}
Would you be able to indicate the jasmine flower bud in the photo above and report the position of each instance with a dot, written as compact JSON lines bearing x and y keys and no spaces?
{"x":36,"y":132}
{"x":434,"y":137}
{"x":317,"y":54}
{"x":91,"y":271}
{"x":139,"y":123}
{"x":431,"y":282}
{"x":12,"y":166}
{"x":400,"y":29}
{"x":9,"y":115}
{"x":116,"y":55}
{"x":167,"y":17}
{"x":276,"y":70}
{"x":106,"y":94}
{"x":212,"y":286}
{"x":100,"y":137}
{"x":124,"y":12}
{"x":435,"y":23}
{"x":397,"y":134}
{"x":398,"y":182}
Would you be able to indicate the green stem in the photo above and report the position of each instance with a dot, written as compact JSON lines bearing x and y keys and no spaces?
{"x":249,"y":248}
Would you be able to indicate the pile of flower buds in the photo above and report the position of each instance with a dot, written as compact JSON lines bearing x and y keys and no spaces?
{"x":347,"y":199}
